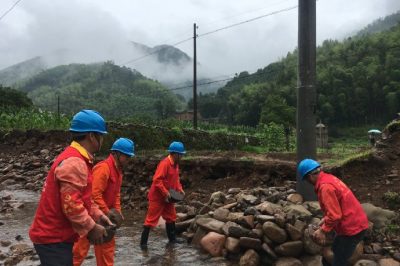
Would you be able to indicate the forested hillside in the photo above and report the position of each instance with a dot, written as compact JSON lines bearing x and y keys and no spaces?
{"x":113,"y":90}
{"x":358,"y":82}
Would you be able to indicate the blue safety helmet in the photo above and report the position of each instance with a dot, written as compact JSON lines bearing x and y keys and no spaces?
{"x":125,"y":146}
{"x":88,"y":121}
{"x":176,"y":147}
{"x":306,"y":166}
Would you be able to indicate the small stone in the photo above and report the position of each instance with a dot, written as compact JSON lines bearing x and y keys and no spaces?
{"x":388,"y":262}
{"x":297,"y":211}
{"x":250,"y":243}
{"x":246,"y":221}
{"x":19,"y":238}
{"x":312,"y":260}
{"x":268,"y":208}
{"x":221,"y":214}
{"x":232,"y":245}
{"x":264,"y":218}
{"x":233,"y":190}
{"x":238,"y":231}
{"x":288,"y":262}
{"x":377,"y":248}
{"x":280,"y":219}
{"x":294,"y":233}
{"x":210,"y":224}
{"x":295,"y":198}
{"x":366,"y":263}
{"x":290,"y":249}
{"x":265,"y":247}
{"x":250,"y":258}
{"x":5,"y":243}
{"x":274,"y":232}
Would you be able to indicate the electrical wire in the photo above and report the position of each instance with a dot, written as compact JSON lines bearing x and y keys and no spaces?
{"x":9,"y":10}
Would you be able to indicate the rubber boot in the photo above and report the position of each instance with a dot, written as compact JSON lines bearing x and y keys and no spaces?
{"x":170,"y":227}
{"x":145,"y":237}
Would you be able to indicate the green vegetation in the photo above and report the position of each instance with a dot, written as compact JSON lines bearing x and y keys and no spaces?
{"x":30,"y":118}
{"x":112,"y":90}
{"x":13,"y":99}
{"x":358,"y":82}
{"x":392,"y":199}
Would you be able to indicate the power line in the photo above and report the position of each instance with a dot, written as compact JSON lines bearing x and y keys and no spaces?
{"x":249,"y":20}
{"x":243,"y":13}
{"x":9,"y":10}
{"x":156,"y":51}
{"x":211,"y":32}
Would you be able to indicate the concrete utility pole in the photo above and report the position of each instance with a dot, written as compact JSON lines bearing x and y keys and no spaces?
{"x":194,"y":77}
{"x":306,"y":90}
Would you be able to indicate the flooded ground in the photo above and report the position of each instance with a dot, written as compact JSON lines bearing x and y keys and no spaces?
{"x":127,"y":252}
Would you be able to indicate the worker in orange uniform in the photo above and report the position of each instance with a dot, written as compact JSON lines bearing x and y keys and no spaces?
{"x":160,"y":201}
{"x":343,"y":213}
{"x":66,"y":210}
{"x":107,"y":181}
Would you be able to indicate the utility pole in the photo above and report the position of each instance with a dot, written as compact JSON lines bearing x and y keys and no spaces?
{"x":58,"y":108}
{"x":194,"y":77}
{"x":306,"y":90}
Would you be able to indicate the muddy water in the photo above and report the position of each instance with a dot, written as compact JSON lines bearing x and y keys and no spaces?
{"x":128,"y":237}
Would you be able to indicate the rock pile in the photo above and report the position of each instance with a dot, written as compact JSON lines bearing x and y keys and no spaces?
{"x":269,"y":226}
{"x":27,"y":170}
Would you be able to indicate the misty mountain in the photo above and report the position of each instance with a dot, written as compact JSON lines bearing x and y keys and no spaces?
{"x":115,"y":91}
{"x":164,"y":63}
{"x":21,"y":71}
{"x":381,"y":24}
{"x":165,"y":54}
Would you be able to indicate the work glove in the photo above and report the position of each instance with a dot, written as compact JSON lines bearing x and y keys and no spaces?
{"x":96,"y":235}
{"x":115,"y":217}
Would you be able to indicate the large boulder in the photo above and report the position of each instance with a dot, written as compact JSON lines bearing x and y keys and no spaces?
{"x":378,"y":216}
{"x":210,"y":224}
{"x":274,"y":232}
{"x":250,"y":258}
{"x":290,"y":249}
{"x":213,"y":243}
{"x":232,"y":245}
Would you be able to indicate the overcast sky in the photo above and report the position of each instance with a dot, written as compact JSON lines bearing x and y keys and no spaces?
{"x":101,"y":29}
